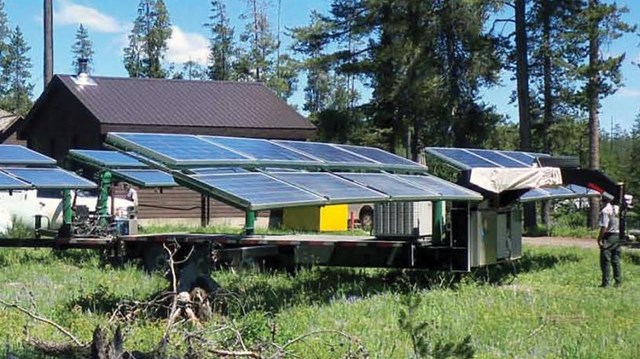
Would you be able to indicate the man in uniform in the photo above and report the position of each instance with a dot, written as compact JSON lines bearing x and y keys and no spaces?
{"x":609,"y":242}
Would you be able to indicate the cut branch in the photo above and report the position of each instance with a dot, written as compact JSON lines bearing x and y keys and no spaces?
{"x":44,"y":320}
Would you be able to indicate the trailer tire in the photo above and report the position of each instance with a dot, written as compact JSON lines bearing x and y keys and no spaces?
{"x":366,"y":217}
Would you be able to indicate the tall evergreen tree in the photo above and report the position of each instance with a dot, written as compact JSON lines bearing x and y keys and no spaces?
{"x":148,"y":40}
{"x":16,"y":96}
{"x":82,"y":49}
{"x":257,"y":58}
{"x":221,"y":46}
{"x":599,"y":24}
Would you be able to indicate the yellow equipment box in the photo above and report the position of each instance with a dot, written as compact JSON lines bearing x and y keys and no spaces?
{"x":317,"y":218}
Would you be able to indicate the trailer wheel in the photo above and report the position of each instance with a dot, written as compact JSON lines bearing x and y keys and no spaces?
{"x":366,"y":217}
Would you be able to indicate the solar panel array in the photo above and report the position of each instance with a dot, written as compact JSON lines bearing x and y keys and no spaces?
{"x":12,"y":155}
{"x":189,"y":151}
{"x":469,"y":158}
{"x":126,"y":167}
{"x":146,"y":177}
{"x":110,"y":159}
{"x":23,"y":168}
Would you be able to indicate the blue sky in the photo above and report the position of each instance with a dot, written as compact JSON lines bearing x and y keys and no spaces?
{"x":109,"y":22}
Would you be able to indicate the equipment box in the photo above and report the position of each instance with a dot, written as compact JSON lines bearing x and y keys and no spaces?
{"x":316,"y":218}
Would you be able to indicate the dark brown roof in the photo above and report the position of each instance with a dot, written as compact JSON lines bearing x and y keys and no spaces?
{"x":164,"y":102}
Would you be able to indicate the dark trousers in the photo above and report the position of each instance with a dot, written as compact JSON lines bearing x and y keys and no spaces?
{"x":610,"y":256}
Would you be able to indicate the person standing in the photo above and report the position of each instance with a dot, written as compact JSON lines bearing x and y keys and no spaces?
{"x":609,"y":242}
{"x":132,"y":194}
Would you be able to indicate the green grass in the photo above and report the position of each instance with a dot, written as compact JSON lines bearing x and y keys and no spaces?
{"x":552,"y":309}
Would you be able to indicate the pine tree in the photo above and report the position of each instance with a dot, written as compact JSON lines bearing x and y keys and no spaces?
{"x":148,"y":40}
{"x":82,"y":49}
{"x":256,"y":60}
{"x":221,"y":47}
{"x":16,"y":96}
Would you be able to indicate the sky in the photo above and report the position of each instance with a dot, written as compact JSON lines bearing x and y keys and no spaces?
{"x":109,"y":22}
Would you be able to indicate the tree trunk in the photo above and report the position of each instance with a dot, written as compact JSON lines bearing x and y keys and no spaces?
{"x":48,"y":41}
{"x":522,"y":79}
{"x":547,"y":120}
{"x":594,"y":121}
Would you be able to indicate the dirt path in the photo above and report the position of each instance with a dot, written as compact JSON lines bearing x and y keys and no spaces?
{"x":560,"y":242}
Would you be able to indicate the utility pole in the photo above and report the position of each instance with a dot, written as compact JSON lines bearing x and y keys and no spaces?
{"x":48,"y":41}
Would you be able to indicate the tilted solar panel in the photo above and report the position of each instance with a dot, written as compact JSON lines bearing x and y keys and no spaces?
{"x":392,"y":185}
{"x":111,"y":159}
{"x":55,"y":177}
{"x":262,"y":150}
{"x":523,"y":157}
{"x":498,"y":158}
{"x":448,"y":190}
{"x":256,"y":191}
{"x":334,"y":188}
{"x":328,"y":153}
{"x":176,"y":150}
{"x":381,"y":156}
{"x":146,"y":177}
{"x":460,"y":158}
{"x":564,"y":192}
{"x":11,"y":155}
{"x":8,"y":183}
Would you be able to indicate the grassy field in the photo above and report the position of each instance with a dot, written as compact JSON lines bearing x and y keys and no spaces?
{"x":551,"y":309}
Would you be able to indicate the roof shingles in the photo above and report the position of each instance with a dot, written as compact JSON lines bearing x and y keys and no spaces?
{"x":124,"y":101}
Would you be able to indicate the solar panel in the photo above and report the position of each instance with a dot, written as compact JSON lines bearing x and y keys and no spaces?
{"x":328,"y":153}
{"x":55,"y":177}
{"x":565,"y":192}
{"x":461,"y":158}
{"x":392,"y":185}
{"x":111,"y":159}
{"x":11,"y":155}
{"x":523,"y":157}
{"x":262,"y":150}
{"x":332,"y":187}
{"x":381,"y":156}
{"x":498,"y":158}
{"x":8,"y":183}
{"x":177,"y":150}
{"x":256,"y":191}
{"x":448,"y":190}
{"x":146,"y":177}
{"x":468,"y":158}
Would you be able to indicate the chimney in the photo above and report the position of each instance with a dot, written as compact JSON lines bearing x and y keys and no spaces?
{"x":83,"y":67}
{"x":82,"y":77}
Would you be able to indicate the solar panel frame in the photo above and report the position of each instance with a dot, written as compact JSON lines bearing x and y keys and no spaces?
{"x":231,"y":187}
{"x":334,"y":188}
{"x":448,"y":190}
{"x":192,"y":151}
{"x":217,"y":170}
{"x":391,"y":185}
{"x":12,"y":155}
{"x":265,"y":152}
{"x":148,"y":178}
{"x":9,"y":182}
{"x":106,"y":158}
{"x":45,"y":178}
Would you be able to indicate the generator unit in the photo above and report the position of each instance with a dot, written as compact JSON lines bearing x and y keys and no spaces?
{"x":403,"y":219}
